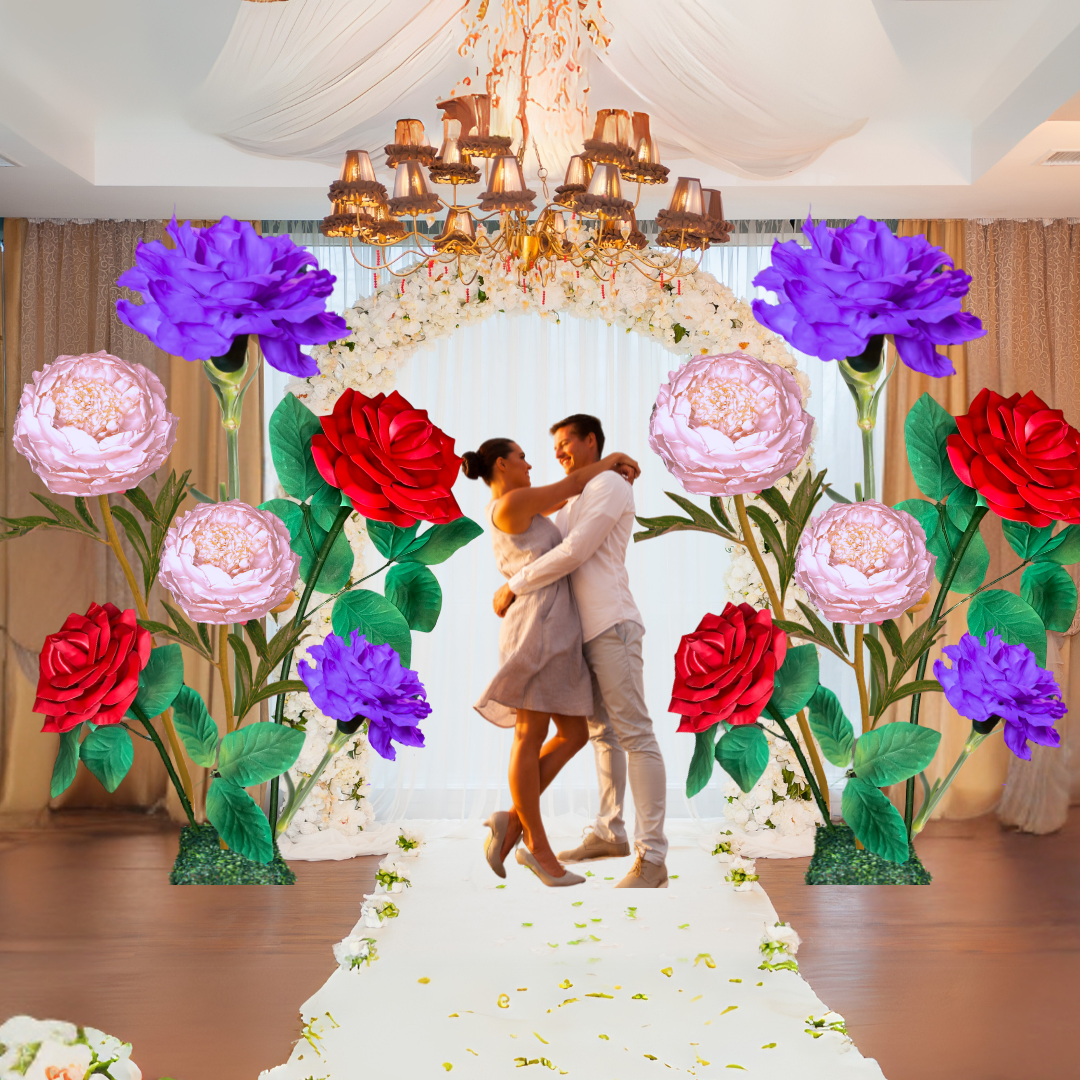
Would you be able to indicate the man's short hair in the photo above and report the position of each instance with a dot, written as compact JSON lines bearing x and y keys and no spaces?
{"x":583,"y":426}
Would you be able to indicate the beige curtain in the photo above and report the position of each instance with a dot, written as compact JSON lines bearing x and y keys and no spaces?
{"x":1026,"y":290}
{"x":59,"y":297}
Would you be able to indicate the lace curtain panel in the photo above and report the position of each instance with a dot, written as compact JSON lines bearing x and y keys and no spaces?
{"x":515,"y":376}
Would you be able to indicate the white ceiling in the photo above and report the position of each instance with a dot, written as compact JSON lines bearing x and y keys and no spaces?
{"x":963,"y":98}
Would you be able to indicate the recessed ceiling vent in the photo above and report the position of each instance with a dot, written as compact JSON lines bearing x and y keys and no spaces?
{"x":7,"y":162}
{"x":1061,"y":157}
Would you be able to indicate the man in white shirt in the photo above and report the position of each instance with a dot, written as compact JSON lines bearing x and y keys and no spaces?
{"x":596,"y":528}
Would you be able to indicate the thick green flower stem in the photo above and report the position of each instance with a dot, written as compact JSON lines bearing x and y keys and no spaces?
{"x":916,"y":699}
{"x":815,"y":790}
{"x":861,"y":374}
{"x":286,"y":663}
{"x":185,"y":802}
{"x":230,"y":388}
{"x":297,"y":797}
{"x":930,"y":804}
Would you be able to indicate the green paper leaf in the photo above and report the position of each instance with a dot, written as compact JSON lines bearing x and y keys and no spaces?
{"x":306,"y":537}
{"x":391,"y":541}
{"x":196,"y":727}
{"x":160,"y":680}
{"x":926,"y":429}
{"x":441,"y":541}
{"x":796,"y":681}
{"x":894,"y":752}
{"x":415,"y":591}
{"x":1049,"y":589}
{"x":376,"y":618}
{"x":1063,"y":548}
{"x":942,"y":536}
{"x":874,"y":820}
{"x":291,"y":428}
{"x":325,"y":504}
{"x":743,"y":754}
{"x":1025,"y":539}
{"x":67,"y":762}
{"x":1011,"y":618}
{"x":239,"y":821}
{"x":108,"y":753}
{"x":831,"y":727}
{"x":258,"y":752}
{"x":701,"y":764}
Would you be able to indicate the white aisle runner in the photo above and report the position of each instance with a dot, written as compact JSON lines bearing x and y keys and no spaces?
{"x":479,"y":980}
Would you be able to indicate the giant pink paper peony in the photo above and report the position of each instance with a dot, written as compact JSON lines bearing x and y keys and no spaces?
{"x":730,"y":424}
{"x":228,"y":562}
{"x":94,"y":424}
{"x":864,"y":562}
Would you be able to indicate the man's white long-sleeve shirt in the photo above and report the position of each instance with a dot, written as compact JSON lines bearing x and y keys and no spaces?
{"x":596,"y":527}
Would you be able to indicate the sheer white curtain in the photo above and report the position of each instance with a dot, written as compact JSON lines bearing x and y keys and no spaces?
{"x":515,"y":376}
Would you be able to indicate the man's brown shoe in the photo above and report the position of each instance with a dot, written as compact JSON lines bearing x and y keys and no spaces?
{"x":592,"y":847}
{"x":645,"y":875}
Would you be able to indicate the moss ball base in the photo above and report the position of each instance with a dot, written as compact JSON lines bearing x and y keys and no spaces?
{"x":837,"y":861}
{"x":203,"y":861}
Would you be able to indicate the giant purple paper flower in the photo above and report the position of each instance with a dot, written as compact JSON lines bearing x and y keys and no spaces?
{"x":224,"y":281}
{"x":1002,"y":680}
{"x":861,"y":280}
{"x":353,"y":680}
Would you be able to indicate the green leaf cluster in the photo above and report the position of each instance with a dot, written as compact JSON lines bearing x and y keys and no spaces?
{"x":699,"y":520}
{"x":306,"y":535}
{"x":82,"y":521}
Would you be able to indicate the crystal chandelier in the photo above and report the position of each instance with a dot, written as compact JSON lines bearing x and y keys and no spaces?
{"x":589,"y":221}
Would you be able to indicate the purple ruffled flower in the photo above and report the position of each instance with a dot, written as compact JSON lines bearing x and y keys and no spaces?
{"x":224,"y":281}
{"x":1002,"y":680}
{"x":861,"y":280}
{"x":354,"y":680}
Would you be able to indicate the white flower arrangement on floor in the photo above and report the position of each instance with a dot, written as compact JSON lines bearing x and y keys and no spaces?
{"x":741,"y":873}
{"x":354,"y":952}
{"x":392,"y":877}
{"x":778,"y":947}
{"x":780,"y":800}
{"x":689,"y":315}
{"x":54,"y":1050}
{"x":830,"y":1024}
{"x":376,"y":910}
{"x":409,"y":843}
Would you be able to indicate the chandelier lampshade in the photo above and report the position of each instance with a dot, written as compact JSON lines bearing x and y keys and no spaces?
{"x":450,"y":165}
{"x":506,"y":189}
{"x":610,"y":143}
{"x":719,"y":229}
{"x":383,"y":229}
{"x":684,"y":224}
{"x":604,"y":197}
{"x":644,"y":166}
{"x":458,"y":236}
{"x":410,"y":144}
{"x":357,"y":183}
{"x":473,"y":112}
{"x":578,"y":174}
{"x":412,"y":194}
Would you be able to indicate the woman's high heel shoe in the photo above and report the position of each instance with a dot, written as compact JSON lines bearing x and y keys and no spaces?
{"x":526,"y":859}
{"x":498,"y":823}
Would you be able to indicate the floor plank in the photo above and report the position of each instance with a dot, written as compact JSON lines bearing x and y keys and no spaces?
{"x":957,"y":981}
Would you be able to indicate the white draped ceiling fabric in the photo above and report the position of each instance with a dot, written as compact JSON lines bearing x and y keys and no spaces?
{"x":731,"y":85}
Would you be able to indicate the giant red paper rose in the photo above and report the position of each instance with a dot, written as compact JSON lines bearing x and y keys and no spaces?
{"x":726,"y":668}
{"x":389,"y":458}
{"x":89,"y":670}
{"x":1021,"y":456}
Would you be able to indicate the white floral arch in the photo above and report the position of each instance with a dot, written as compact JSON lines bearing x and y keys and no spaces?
{"x":689,"y":313}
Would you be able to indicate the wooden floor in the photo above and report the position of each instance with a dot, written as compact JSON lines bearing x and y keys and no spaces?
{"x":973,"y":978}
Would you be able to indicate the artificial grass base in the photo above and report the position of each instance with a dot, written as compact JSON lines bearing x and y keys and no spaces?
{"x":203,"y":861}
{"x":837,"y":861}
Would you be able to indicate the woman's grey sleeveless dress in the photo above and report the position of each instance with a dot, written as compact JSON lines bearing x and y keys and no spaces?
{"x":542,"y":663}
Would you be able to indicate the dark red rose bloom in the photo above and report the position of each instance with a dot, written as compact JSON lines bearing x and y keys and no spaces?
{"x":1021,"y":456}
{"x":726,"y":668}
{"x":389,"y":458}
{"x":89,"y":670}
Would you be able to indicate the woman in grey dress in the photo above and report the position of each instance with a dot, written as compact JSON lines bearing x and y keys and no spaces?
{"x":542,"y":675}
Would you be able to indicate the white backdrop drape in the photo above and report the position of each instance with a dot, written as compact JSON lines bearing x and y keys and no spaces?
{"x":515,"y":376}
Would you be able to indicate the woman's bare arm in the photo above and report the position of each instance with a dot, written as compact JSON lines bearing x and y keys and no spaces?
{"x":513,"y":512}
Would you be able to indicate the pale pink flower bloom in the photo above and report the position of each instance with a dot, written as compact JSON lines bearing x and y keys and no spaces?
{"x":228,"y":562}
{"x":730,"y":424}
{"x":864,"y":562}
{"x":94,"y":424}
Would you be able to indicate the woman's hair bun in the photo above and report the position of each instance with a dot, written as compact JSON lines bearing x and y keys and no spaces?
{"x":472,"y":464}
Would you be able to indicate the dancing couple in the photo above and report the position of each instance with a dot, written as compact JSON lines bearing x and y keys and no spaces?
{"x":570,"y":653}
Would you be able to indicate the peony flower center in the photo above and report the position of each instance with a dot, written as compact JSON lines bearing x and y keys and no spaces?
{"x":727,"y":405}
{"x":90,"y":405}
{"x":228,"y":547}
{"x":860,"y":545}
